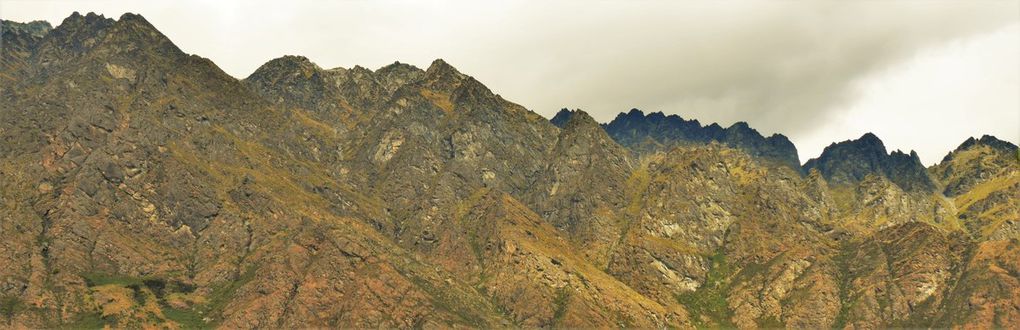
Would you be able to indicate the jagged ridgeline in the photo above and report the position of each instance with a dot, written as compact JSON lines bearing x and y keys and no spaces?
{"x":142,"y":186}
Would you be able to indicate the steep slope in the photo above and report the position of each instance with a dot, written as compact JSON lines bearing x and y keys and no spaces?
{"x":987,"y":289}
{"x":17,"y":41}
{"x":900,"y":276}
{"x":143,"y":187}
{"x":707,"y":226}
{"x":982,"y":176}
{"x":974,"y":162}
{"x":442,"y":138}
{"x":934,"y":275}
{"x":439,"y":139}
{"x":871,"y":189}
{"x":658,"y":132}
{"x":146,"y":187}
{"x":582,"y":190}
{"x":529,"y":269}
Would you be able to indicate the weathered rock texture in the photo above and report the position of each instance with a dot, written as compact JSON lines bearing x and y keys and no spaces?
{"x":143,"y":187}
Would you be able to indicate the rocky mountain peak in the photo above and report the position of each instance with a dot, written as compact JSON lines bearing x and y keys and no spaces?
{"x":448,"y":88}
{"x":740,"y":132}
{"x":635,"y":130}
{"x":18,"y":40}
{"x":441,"y":79}
{"x":850,"y":161}
{"x":870,"y":141}
{"x":36,"y":29}
{"x":578,"y":119}
{"x":77,"y":29}
{"x":868,"y":144}
{"x":397,"y":69}
{"x":396,"y":66}
{"x":287,"y":69}
{"x":360,"y":71}
{"x":985,"y":140}
{"x":656,"y":116}
{"x":634,"y":113}
{"x":398,"y":74}
{"x":741,"y":126}
{"x":132,"y":18}
{"x":77,"y":18}
{"x":439,"y":69}
{"x":132,"y":27}
{"x":974,"y":162}
{"x":562,"y":117}
{"x":288,"y":65}
{"x":907,"y":171}
{"x":131,"y":35}
{"x":996,"y":143}
{"x":297,"y":81}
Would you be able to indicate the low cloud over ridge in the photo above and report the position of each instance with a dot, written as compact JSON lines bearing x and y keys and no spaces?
{"x":787,"y":67}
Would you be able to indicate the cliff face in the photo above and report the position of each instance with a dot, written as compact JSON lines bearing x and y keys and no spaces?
{"x":141,"y":186}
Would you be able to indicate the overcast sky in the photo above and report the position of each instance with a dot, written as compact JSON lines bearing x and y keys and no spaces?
{"x":921,"y":75}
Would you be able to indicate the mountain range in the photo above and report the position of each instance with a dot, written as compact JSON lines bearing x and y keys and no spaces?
{"x":141,"y":186}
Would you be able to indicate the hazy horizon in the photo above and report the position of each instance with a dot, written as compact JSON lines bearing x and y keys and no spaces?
{"x":922,"y":76}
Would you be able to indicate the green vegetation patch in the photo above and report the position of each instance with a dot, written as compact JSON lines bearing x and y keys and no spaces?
{"x":561,"y":302}
{"x":221,"y":295}
{"x":707,"y":305}
{"x":846,"y":300}
{"x":87,"y":321}
{"x":10,"y":305}
{"x":186,"y":318}
{"x":144,"y":288}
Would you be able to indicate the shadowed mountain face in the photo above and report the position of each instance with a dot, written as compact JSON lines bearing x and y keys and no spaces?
{"x":658,"y":132}
{"x":142,"y":187}
{"x":849,"y":162}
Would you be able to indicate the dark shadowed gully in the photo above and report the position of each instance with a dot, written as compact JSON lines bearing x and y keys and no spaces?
{"x":143,"y":187}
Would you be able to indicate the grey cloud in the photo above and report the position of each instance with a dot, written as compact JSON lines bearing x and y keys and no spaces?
{"x":764,"y":64}
{"x":782,"y":66}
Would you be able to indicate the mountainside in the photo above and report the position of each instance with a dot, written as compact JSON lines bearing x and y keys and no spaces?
{"x":981,"y":177}
{"x":143,"y":187}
